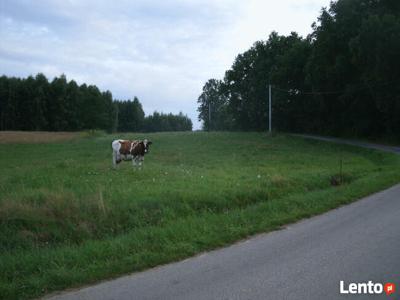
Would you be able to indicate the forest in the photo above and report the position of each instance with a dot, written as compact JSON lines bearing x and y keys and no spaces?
{"x":34,"y":103}
{"x":343,"y":79}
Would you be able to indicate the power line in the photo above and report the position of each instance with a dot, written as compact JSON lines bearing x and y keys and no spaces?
{"x":364,"y":87}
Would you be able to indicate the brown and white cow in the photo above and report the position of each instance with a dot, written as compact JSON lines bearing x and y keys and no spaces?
{"x":130,"y":150}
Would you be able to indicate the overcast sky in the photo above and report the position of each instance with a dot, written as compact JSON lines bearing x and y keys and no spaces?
{"x":160,"y":51}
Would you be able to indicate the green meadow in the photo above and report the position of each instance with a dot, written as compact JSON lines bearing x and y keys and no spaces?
{"x":67,"y":218}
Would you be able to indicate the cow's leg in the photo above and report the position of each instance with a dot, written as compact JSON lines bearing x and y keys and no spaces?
{"x":140,"y":160}
{"x":133,"y":161}
{"x":114,"y":159}
{"x":136,"y":161}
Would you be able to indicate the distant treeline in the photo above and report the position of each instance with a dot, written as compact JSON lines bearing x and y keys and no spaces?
{"x":342,"y":79}
{"x":34,"y":103}
{"x":130,"y":117}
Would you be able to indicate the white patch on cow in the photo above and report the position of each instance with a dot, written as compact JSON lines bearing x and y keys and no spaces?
{"x":116,"y":145}
{"x":133,"y":145}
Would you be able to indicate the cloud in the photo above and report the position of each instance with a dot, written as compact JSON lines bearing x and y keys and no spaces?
{"x":161,"y":51}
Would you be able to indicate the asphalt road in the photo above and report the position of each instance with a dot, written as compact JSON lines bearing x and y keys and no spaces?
{"x":394,"y":149}
{"x":307,"y":260}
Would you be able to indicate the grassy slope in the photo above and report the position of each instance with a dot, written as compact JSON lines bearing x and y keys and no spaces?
{"x":67,"y":218}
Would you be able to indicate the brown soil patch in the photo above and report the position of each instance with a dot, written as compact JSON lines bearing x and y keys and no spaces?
{"x":28,"y":137}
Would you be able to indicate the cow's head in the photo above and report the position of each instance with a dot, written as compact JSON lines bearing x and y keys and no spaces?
{"x":146,"y":144}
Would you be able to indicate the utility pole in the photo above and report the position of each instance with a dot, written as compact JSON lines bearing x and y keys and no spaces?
{"x":270,"y":110}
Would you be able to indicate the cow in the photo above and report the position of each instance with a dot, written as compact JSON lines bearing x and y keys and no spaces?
{"x":130,"y":150}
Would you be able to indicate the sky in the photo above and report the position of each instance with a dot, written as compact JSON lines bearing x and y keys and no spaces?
{"x":162,"y":51}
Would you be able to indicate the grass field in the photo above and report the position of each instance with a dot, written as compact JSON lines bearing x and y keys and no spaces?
{"x":67,"y":218}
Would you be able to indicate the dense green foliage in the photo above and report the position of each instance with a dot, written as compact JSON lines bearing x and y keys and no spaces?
{"x":167,"y":122}
{"x":130,"y":116}
{"x":34,"y":103}
{"x":67,"y":218}
{"x":343,"y":79}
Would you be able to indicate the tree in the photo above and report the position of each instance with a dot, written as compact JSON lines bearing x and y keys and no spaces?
{"x":343,"y":79}
{"x":57,"y":110}
{"x":167,"y":122}
{"x":213,"y":103}
{"x":4,"y":98}
{"x":130,"y":115}
{"x":72,"y":107}
{"x":41,"y":97}
{"x":35,"y":104}
{"x":279,"y":60}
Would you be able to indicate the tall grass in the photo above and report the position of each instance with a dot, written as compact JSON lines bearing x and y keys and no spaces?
{"x":68,"y":218}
